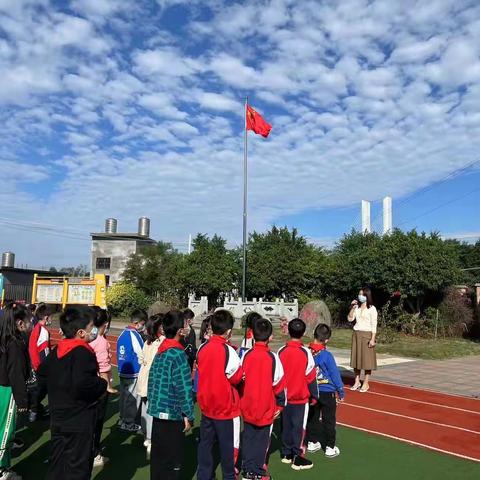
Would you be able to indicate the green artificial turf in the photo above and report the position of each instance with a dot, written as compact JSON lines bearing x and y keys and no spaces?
{"x":363,"y":457}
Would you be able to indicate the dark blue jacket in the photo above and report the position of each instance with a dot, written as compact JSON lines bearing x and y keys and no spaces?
{"x":328,"y":375}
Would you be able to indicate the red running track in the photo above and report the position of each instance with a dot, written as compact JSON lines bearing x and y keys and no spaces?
{"x":444,"y":423}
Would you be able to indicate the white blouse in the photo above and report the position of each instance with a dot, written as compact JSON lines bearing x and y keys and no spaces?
{"x":365,"y":319}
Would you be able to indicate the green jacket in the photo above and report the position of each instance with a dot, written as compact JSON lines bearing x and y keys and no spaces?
{"x":170,"y":392}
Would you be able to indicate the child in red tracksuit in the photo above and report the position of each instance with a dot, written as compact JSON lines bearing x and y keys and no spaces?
{"x":300,"y":380}
{"x":219,"y":371}
{"x":263,"y":397}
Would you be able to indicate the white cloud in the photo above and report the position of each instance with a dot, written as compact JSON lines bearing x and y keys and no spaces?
{"x":216,"y":101}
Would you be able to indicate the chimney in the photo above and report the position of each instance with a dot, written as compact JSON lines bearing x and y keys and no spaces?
{"x":8,"y":259}
{"x":111,"y":225}
{"x":144,"y":226}
{"x":387,"y":215}
{"x":366,"y":228}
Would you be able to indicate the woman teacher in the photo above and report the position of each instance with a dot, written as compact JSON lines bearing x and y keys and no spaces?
{"x":363,"y":356}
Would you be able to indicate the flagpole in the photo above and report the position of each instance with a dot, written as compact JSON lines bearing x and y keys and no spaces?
{"x":245,"y":178}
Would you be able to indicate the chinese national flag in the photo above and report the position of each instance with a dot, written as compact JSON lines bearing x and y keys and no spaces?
{"x":257,"y":123}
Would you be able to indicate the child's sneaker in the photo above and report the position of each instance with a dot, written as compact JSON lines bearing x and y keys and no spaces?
{"x":248,"y":476}
{"x":9,"y":475}
{"x":100,"y":461}
{"x":287,"y":459}
{"x":332,"y":452}
{"x":301,"y":463}
{"x":130,"y":427}
{"x":313,"y":447}
{"x":147,"y":443}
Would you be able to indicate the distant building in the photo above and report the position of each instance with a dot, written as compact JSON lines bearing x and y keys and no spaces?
{"x":16,"y":283}
{"x":111,"y":250}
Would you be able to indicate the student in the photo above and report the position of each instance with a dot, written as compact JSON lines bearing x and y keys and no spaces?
{"x":101,"y":347}
{"x":263,"y":397}
{"x":299,"y":370}
{"x":38,"y":349}
{"x":154,"y":339}
{"x":219,"y":371}
{"x":330,"y":385}
{"x":205,"y":334}
{"x":14,"y":371}
{"x":190,"y":339}
{"x":74,"y":388}
{"x":129,"y":349}
{"x":170,"y":400}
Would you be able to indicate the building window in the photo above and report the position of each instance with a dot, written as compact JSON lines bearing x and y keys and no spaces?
{"x":103,"y":263}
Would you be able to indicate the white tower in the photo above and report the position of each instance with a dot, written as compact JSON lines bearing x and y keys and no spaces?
{"x":366,"y":228}
{"x":387,"y":215}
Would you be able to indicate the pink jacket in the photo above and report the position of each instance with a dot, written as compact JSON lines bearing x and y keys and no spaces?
{"x":101,"y":347}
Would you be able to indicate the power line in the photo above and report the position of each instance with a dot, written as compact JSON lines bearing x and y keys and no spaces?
{"x":440,"y":206}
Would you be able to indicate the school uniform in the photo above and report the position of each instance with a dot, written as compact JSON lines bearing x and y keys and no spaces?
{"x":301,"y":385}
{"x":263,"y":394}
{"x":74,"y":387}
{"x":329,"y":383}
{"x":38,"y":349}
{"x":129,"y":349}
{"x":14,"y":369}
{"x":219,"y":371}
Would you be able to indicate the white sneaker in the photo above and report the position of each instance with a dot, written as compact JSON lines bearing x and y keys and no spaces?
{"x":147,"y":443}
{"x":149,"y":451}
{"x":9,"y":475}
{"x":313,"y":447}
{"x":100,"y":461}
{"x":332,"y":452}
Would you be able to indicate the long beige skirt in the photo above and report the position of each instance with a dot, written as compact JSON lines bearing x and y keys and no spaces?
{"x":362,"y":357}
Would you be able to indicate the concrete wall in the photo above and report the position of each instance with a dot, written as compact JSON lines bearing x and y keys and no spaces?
{"x":118,"y":251}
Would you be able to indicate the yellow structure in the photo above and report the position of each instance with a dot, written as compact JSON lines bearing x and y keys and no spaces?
{"x":70,"y":290}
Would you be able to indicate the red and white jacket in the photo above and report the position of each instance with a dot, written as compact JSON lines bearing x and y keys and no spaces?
{"x":300,"y":373}
{"x":263,"y":392}
{"x":38,"y":345}
{"x":219,"y":371}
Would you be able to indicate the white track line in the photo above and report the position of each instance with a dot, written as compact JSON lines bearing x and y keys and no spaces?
{"x":426,"y":403}
{"x":465,"y":457}
{"x":412,"y":418}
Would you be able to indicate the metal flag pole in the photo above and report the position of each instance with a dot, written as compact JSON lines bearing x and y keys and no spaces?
{"x":245,"y":177}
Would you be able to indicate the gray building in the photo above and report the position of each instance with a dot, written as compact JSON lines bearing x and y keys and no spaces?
{"x":111,"y":250}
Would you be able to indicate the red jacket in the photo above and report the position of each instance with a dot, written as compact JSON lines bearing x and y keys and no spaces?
{"x":263,"y":391}
{"x":219,"y":370}
{"x":38,"y":345}
{"x":299,"y":367}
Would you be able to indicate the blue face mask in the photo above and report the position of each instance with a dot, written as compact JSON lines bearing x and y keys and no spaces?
{"x":362,"y":298}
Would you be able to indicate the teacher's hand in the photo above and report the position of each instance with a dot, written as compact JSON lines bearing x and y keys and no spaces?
{"x":371,"y":343}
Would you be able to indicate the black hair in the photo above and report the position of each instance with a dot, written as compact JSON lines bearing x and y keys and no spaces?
{"x":262,"y":330}
{"x":138,"y":316}
{"x":73,"y":319}
{"x":8,"y":324}
{"x":296,"y":328}
{"x":188,"y":314}
{"x":172,"y":322}
{"x":222,"y":321}
{"x":32,"y":307}
{"x":367,"y":291}
{"x":250,"y":320}
{"x":206,"y":324}
{"x":43,"y":310}
{"x":322,"y":332}
{"x":153,"y":326}
{"x":102,"y":317}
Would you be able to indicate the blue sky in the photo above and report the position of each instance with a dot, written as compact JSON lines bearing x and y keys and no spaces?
{"x":134,"y":107}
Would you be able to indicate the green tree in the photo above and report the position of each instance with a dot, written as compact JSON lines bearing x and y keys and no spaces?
{"x":282,"y":262}
{"x":157,"y":271}
{"x":124,"y":298}
{"x":419,"y":266}
{"x":211,"y":268}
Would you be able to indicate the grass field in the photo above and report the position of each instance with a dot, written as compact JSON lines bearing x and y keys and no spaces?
{"x":364,"y":456}
{"x":415,"y":347}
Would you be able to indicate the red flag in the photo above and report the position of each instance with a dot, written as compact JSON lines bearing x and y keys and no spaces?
{"x":257,"y":123}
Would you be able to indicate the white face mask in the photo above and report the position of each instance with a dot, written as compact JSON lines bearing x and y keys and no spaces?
{"x":362,"y":298}
{"x":93,"y":334}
